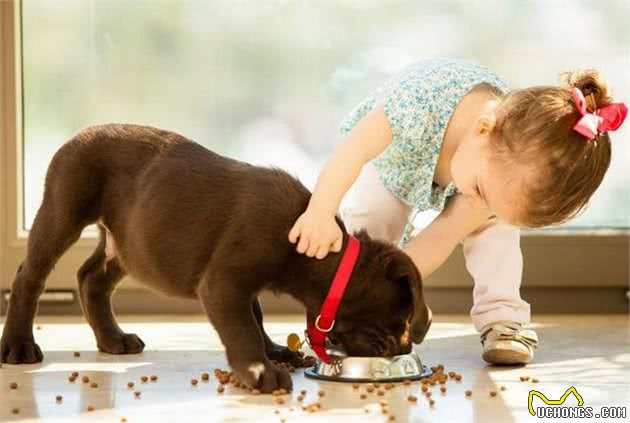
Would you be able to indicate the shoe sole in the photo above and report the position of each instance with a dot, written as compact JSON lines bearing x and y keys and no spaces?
{"x":499,"y":356}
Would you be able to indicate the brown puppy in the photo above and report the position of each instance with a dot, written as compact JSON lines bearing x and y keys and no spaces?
{"x":191,"y":223}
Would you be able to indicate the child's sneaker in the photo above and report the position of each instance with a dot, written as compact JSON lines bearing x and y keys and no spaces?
{"x":508,"y":343}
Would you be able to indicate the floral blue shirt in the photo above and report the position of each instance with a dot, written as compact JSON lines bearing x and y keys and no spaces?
{"x":419,"y":103}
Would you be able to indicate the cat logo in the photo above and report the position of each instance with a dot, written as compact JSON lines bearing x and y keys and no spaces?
{"x":547,"y":401}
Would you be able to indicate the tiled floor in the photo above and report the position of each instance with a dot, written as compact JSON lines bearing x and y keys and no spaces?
{"x":591,"y":353}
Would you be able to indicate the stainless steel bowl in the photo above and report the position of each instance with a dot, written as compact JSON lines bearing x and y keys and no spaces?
{"x":369,"y":369}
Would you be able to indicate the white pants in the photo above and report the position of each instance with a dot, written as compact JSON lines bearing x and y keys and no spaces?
{"x":492,"y":252}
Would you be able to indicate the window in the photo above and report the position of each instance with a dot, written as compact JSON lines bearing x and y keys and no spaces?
{"x":270,"y":81}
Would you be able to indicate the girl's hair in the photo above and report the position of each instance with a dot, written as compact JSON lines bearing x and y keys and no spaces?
{"x":562,"y":168}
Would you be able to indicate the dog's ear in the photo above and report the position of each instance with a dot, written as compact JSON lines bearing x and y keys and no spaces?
{"x":402,"y":270}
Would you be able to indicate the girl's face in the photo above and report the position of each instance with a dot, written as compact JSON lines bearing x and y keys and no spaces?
{"x":484,"y":181}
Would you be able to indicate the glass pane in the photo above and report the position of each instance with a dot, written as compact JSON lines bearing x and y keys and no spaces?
{"x":269,"y":81}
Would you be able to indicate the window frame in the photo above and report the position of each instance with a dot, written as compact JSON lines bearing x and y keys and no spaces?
{"x":587,"y":257}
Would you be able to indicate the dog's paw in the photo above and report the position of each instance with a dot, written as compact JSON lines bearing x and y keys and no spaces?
{"x":126,"y":343}
{"x":24,"y":351}
{"x":265,"y":377}
{"x":282,"y":354}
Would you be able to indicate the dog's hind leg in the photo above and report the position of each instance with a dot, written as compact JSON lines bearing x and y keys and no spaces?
{"x":51,"y":235}
{"x":98,"y":278}
{"x":278,"y":352}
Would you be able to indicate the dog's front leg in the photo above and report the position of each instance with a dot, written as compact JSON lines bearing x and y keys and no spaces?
{"x":229,"y":307}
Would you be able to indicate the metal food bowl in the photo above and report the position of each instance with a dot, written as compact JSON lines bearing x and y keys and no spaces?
{"x":345,"y":368}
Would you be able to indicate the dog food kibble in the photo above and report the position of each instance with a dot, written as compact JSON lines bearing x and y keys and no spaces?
{"x":154,"y":378}
{"x":255,"y":392}
{"x":451,"y":374}
{"x":468,"y":392}
{"x":370,"y":389}
{"x":130,"y":385}
{"x":493,"y":393}
{"x":524,"y":378}
{"x":431,"y":403}
{"x":534,"y":380}
{"x":136,"y":394}
{"x":303,"y":392}
{"x":300,"y":398}
{"x":77,"y":354}
{"x":71,"y":378}
{"x":389,"y":386}
{"x":194,"y":382}
{"x":13,"y":385}
{"x":377,"y":385}
{"x":90,"y":408}
{"x":443,"y":389}
{"x":123,"y":420}
{"x":428,"y":394}
{"x":380,"y":392}
{"x":220,"y":389}
{"x":392,"y":418}
{"x":16,"y":411}
{"x":321,"y":393}
{"x":279,"y":400}
{"x":58,"y":398}
{"x":458,"y":377}
{"x":85,"y":379}
{"x":412,"y":398}
{"x":144,"y":379}
{"x":93,"y":385}
{"x":74,"y":374}
{"x":363,"y":396}
{"x":355,"y":386}
{"x":424,"y":388}
{"x":503,"y":388}
{"x":406,"y":382}
{"x":205,"y":377}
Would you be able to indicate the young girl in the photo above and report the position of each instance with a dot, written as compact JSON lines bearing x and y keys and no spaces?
{"x":446,"y":135}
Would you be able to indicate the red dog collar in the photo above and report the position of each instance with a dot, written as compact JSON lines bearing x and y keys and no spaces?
{"x":316,"y":331}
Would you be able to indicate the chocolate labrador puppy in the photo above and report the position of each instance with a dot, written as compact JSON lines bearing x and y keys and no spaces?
{"x":191,"y":223}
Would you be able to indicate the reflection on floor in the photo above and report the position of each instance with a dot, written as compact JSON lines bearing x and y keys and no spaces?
{"x":590,"y":353}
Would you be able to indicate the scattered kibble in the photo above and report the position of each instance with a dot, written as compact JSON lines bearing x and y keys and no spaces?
{"x":303,"y":392}
{"x":363,"y":396}
{"x":428,"y":394}
{"x":90,"y":408}
{"x":220,"y":389}
{"x":377,"y":385}
{"x":194,"y":382}
{"x":524,"y":378}
{"x":493,"y":393}
{"x":137,"y":394}
{"x":13,"y":385}
{"x":279,"y":400}
{"x":380,"y":392}
{"x":451,"y":374}
{"x":205,"y":377}
{"x":406,"y":382}
{"x":58,"y":398}
{"x":412,"y":398}
{"x":144,"y":379}
{"x":431,"y":403}
{"x":355,"y":386}
{"x":130,"y":385}
{"x":534,"y":380}
{"x":255,"y":392}
{"x":93,"y":385}
{"x":321,"y":393}
{"x":468,"y":392}
{"x":74,"y":374}
{"x":389,"y":386}
{"x":71,"y":378}
{"x":77,"y":354}
{"x":458,"y":377}
{"x":300,"y":398}
{"x":424,"y":388}
{"x":16,"y":411}
{"x":443,"y":389}
{"x":85,"y":379}
{"x":503,"y":388}
{"x":154,"y":378}
{"x":392,"y":418}
{"x":370,"y":389}
{"x":123,"y":420}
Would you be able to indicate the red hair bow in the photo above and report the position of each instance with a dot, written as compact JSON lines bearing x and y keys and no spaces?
{"x":606,"y":118}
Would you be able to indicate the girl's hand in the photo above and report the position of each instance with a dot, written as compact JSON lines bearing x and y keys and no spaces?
{"x":318,"y":233}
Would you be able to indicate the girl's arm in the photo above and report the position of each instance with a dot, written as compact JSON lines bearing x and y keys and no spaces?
{"x":432,"y":246}
{"x":316,"y":229}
